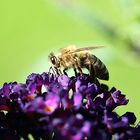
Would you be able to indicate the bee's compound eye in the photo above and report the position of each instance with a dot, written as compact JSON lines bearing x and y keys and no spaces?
{"x":53,"y":60}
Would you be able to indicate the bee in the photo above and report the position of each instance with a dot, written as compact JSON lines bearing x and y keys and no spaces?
{"x":79,"y":58}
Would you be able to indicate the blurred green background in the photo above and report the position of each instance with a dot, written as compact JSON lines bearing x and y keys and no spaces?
{"x":30,"y":29}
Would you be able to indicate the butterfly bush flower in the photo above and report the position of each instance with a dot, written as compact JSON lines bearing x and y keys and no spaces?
{"x":54,"y":107}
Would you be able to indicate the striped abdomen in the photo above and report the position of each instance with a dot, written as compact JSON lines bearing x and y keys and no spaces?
{"x":100,"y":69}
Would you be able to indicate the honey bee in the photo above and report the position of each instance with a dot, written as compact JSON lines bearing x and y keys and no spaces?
{"x":78,"y":58}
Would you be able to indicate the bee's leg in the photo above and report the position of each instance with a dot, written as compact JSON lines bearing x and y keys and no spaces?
{"x":92,"y":72}
{"x":50,"y":70}
{"x":80,"y":70}
{"x":77,"y":67}
{"x":64,"y":71}
{"x":59,"y":72}
{"x":75,"y":71}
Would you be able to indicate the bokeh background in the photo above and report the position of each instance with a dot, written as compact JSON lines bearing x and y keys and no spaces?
{"x":30,"y":29}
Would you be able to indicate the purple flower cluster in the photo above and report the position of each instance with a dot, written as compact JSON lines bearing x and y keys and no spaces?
{"x":60,"y":107}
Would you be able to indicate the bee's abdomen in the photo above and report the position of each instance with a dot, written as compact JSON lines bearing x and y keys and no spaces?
{"x":101,"y":71}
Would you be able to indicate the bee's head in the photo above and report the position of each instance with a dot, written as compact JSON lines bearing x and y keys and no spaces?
{"x":53,"y":59}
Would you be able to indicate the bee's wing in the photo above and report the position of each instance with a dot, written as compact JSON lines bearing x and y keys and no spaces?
{"x":67,"y":50}
{"x":87,"y":48}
